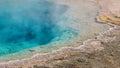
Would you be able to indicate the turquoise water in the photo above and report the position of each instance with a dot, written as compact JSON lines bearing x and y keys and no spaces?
{"x":28,"y":23}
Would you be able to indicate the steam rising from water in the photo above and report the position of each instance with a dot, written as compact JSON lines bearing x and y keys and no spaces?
{"x":28,"y":23}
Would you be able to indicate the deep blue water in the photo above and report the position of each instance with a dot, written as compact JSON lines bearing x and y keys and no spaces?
{"x":28,"y":23}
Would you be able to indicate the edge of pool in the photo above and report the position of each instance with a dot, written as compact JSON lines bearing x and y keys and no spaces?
{"x":89,"y":46}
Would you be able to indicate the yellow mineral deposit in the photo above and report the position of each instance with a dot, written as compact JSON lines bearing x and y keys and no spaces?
{"x":110,"y":11}
{"x":110,"y":19}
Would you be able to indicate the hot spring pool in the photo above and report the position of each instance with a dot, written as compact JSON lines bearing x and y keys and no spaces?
{"x":28,"y":23}
{"x":28,"y":27}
